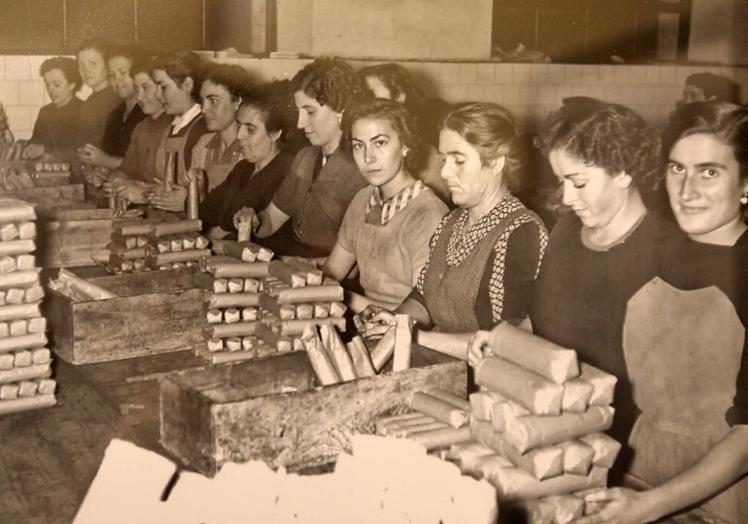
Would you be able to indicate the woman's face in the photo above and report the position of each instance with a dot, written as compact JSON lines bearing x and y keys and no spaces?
{"x":60,"y":91}
{"x":147,"y":92}
{"x":377,"y":150}
{"x":176,"y":99}
{"x":592,"y":193}
{"x":119,"y":77}
{"x":92,"y":68}
{"x":257,"y":144}
{"x":320,"y":123}
{"x":218,"y":106}
{"x":469,"y":182}
{"x":704,"y":187}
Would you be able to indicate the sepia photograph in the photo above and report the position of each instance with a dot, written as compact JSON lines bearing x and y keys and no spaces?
{"x":375,"y":261}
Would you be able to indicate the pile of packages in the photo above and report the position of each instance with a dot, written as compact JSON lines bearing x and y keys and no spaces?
{"x":260,"y":305}
{"x":143,"y":246}
{"x":25,"y":362}
{"x":382,"y":480}
{"x":23,"y":175}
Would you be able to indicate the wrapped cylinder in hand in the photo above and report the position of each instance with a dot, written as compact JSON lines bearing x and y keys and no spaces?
{"x":557,"y":509}
{"x":403,"y":341}
{"x":384,"y":349}
{"x":533,"y":431}
{"x":439,"y":409}
{"x":541,"y":463}
{"x":536,"y":393}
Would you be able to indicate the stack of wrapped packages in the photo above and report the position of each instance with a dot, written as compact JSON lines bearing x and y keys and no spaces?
{"x":260,"y":305}
{"x":17,"y":175}
{"x":537,"y":426}
{"x":25,"y":362}
{"x":144,"y":246}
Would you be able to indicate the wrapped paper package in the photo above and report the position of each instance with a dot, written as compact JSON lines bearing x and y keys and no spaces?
{"x":323,"y":368}
{"x":577,"y":395}
{"x":482,"y":402}
{"x":539,"y":395}
{"x":442,"y":438}
{"x":578,"y":457}
{"x":384,"y":349}
{"x":439,"y":409}
{"x":403,"y":340}
{"x":340,"y":357}
{"x":467,"y":455}
{"x":360,"y":357}
{"x":382,"y":423}
{"x":603,"y":384}
{"x":557,"y":509}
{"x":605,"y":448}
{"x":541,"y":463}
{"x":458,"y":402}
{"x":514,"y":484}
{"x":534,"y":431}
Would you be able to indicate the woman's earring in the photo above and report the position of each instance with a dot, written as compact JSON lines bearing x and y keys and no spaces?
{"x":744,"y":198}
{"x":406,"y":151}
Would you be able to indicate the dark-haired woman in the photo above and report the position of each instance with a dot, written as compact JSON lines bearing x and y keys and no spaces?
{"x":92,"y":65}
{"x":323,"y":178}
{"x":602,"y":253}
{"x":387,"y":227}
{"x":55,"y":130}
{"x":685,"y":333}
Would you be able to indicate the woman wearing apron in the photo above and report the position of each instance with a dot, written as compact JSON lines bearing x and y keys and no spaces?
{"x":684,"y":336}
{"x":387,"y":227}
{"x":323,"y":178}
{"x":485,"y":255}
{"x":602,"y":253}
{"x":178,"y":77}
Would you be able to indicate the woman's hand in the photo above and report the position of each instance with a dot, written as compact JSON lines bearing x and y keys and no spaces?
{"x":123,"y":189}
{"x":617,"y":506}
{"x":479,"y":347}
{"x":171,"y":199}
{"x":244,"y":215}
{"x":33,"y":151}
{"x":90,"y":154}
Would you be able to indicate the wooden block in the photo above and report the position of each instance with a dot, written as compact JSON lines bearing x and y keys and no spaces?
{"x":8,"y":391}
{"x":46,"y":386}
{"x":321,"y":310}
{"x":541,"y":463}
{"x":231,"y":315}
{"x":27,"y":388}
{"x":576,"y":397}
{"x":25,"y":262}
{"x":237,"y":329}
{"x":532,"y":431}
{"x":603,"y":384}
{"x":15,"y":296}
{"x":214,"y":316}
{"x":438,"y":409}
{"x":18,"y":327}
{"x":403,"y":341}
{"x":360,"y":358}
{"x":25,"y":404}
{"x":605,"y":449}
{"x":251,"y":285}
{"x":41,"y":356}
{"x":235,"y":285}
{"x":7,"y":264}
{"x":33,"y":294}
{"x":21,"y":342}
{"x":536,"y":393}
{"x":27,"y":230}
{"x":304,"y":311}
{"x":224,"y":300}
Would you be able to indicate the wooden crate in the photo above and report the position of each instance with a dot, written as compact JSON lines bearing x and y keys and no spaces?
{"x":269,"y":409}
{"x":47,"y":198}
{"x":155,"y":312}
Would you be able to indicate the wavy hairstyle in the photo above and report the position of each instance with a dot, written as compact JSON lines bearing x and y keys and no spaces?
{"x":68,"y":66}
{"x":233,"y":77}
{"x":401,"y":120}
{"x":610,"y":136}
{"x":330,"y":81}
{"x":275,"y":102}
{"x":180,"y":65}
{"x":491,"y":130}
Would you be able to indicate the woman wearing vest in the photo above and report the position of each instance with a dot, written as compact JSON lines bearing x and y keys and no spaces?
{"x":178,"y":77}
{"x":685,"y":334}
{"x":485,"y":255}
{"x":323,"y":178}
{"x":387,"y":227}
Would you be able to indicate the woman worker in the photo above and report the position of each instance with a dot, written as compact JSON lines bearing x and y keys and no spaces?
{"x":387,"y":227}
{"x":685,"y":333}
{"x":323,"y":178}
{"x":95,"y":110}
{"x":602,"y":253}
{"x":55,"y":129}
{"x":485,"y":255}
{"x":122,"y":119}
{"x":265,"y":119}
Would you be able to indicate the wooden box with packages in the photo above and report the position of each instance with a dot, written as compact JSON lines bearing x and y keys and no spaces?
{"x":271,"y":409}
{"x":137,"y":314}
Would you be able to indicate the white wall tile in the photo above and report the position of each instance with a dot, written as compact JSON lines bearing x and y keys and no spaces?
{"x":468,"y":73}
{"x":502,"y":73}
{"x":2,"y":67}
{"x":8,"y":92}
{"x":606,"y":74}
{"x":20,"y":117}
{"x":653,"y":75}
{"x":475,"y":92}
{"x":450,"y":73}
{"x":637,"y":74}
{"x":17,"y":68}
{"x":521,"y":73}
{"x":667,"y":75}
{"x":622,"y":74}
{"x":31,"y":92}
{"x":485,"y":73}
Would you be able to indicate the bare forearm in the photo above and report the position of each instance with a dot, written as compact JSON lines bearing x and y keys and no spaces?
{"x":725,"y":463}
{"x":415,"y":310}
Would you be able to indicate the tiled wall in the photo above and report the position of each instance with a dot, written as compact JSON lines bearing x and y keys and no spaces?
{"x":529,"y":90}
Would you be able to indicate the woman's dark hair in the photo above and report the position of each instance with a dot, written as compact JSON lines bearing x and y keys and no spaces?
{"x":491,"y":130}
{"x":132,"y":53}
{"x":330,"y":81}
{"x":275,"y":102}
{"x":727,"y":122}
{"x":716,"y":87}
{"x":100,"y":45}
{"x":144,"y":64}
{"x":233,"y":77}
{"x":610,"y":136}
{"x":68,"y":66}
{"x":397,"y":80}
{"x":181,"y":65}
{"x":401,"y":120}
